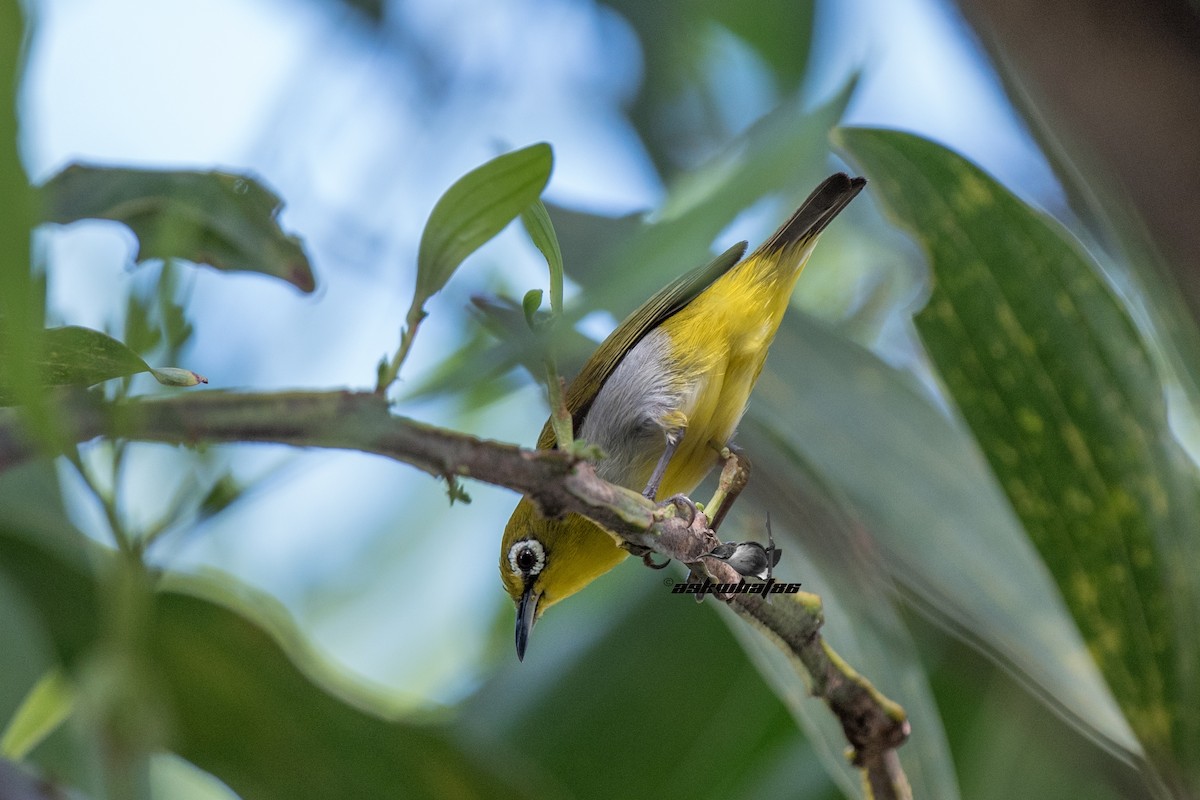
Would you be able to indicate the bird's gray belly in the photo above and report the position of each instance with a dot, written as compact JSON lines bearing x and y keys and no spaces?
{"x":626,"y":418}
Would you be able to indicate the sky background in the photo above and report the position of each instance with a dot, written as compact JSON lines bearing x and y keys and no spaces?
{"x":335,"y":118}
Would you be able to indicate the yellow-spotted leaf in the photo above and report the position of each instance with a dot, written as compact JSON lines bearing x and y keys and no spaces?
{"x":1043,"y":361}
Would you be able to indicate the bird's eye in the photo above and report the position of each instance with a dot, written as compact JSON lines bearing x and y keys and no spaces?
{"x":527,"y":557}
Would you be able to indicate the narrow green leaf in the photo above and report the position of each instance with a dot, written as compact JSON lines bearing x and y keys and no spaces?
{"x":47,"y":705}
{"x":477,"y":207}
{"x":78,"y":356}
{"x":226,"y":221}
{"x":1060,"y":391}
{"x":537,"y":224}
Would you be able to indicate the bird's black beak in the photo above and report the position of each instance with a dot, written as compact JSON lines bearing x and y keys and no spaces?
{"x":526,"y":616}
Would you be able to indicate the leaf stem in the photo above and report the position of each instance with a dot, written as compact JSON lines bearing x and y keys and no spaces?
{"x":560,"y":416}
{"x":390,"y":371}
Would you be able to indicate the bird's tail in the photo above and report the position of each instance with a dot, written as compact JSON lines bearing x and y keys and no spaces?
{"x":814,"y":214}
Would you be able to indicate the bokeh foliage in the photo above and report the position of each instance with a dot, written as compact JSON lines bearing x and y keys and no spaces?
{"x":1024,"y":496}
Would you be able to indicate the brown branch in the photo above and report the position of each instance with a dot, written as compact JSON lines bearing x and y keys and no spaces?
{"x":556,"y":480}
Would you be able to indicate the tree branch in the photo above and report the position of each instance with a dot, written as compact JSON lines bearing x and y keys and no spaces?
{"x":557,"y":481}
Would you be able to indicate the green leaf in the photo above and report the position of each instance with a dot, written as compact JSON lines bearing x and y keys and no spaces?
{"x":537,"y":224}
{"x":611,"y":655}
{"x":82,"y":357}
{"x":477,"y":207}
{"x":862,"y":621}
{"x":1060,"y":391}
{"x":783,"y":153}
{"x":239,"y":705}
{"x":226,"y":221}
{"x":530,"y":304}
{"x":247,"y":714}
{"x":47,"y":705}
{"x":928,"y":505}
{"x":678,"y":108}
{"x":22,"y":301}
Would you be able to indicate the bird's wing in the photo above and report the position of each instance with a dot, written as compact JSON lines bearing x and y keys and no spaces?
{"x":776,"y":554}
{"x":670,"y":299}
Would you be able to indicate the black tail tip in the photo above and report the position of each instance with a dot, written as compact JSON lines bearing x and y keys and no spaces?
{"x":840,"y":181}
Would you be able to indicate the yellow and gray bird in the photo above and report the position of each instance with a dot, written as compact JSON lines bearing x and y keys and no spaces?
{"x":662,"y":395}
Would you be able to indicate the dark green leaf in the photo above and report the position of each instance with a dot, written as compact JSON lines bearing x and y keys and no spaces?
{"x":607,"y":661}
{"x":226,"y":221}
{"x":75,"y":356}
{"x":238,"y":705}
{"x":477,"y":207}
{"x":1059,"y":389}
{"x":537,"y":224}
{"x":247,"y":714}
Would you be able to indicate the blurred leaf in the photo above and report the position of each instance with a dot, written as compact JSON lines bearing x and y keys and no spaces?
{"x":47,"y":705}
{"x":675,"y":47}
{"x":75,"y":356}
{"x":239,"y":707}
{"x":537,"y":224}
{"x":928,"y":505}
{"x":783,"y":153}
{"x":44,"y":555}
{"x":223,"y":493}
{"x":530,"y":305}
{"x":226,"y":221}
{"x":25,"y":656}
{"x":22,"y":303}
{"x":862,"y":623}
{"x":246,"y":713}
{"x":1050,"y":373}
{"x":604,"y":669}
{"x":477,"y":207}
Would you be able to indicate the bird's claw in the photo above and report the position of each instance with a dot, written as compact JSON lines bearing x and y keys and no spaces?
{"x":648,"y":560}
{"x":683,"y":503}
{"x":646,"y":554}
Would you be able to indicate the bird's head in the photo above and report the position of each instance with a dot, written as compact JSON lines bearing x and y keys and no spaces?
{"x":544,"y":560}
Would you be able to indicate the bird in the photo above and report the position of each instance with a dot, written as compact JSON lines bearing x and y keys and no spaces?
{"x":749,"y":559}
{"x":661,"y":396}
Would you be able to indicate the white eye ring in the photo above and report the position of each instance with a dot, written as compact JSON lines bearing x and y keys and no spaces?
{"x":521,"y":551}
